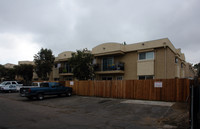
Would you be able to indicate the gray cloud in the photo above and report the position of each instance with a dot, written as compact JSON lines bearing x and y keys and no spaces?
{"x":76,"y":24}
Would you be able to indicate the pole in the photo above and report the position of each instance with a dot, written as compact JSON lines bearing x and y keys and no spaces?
{"x":192,"y":103}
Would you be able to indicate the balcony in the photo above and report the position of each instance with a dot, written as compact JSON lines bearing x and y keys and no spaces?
{"x":65,"y":72}
{"x":117,"y":68}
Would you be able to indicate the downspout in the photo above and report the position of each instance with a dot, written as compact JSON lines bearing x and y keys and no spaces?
{"x":165,"y":47}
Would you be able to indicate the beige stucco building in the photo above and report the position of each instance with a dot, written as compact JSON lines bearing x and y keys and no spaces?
{"x":62,"y":69}
{"x":156,"y":59}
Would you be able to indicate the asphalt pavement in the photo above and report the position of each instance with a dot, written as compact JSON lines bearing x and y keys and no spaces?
{"x":80,"y":112}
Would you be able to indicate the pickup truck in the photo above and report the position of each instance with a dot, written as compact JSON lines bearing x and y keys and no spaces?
{"x":10,"y":86}
{"x":34,"y":84}
{"x":46,"y":88}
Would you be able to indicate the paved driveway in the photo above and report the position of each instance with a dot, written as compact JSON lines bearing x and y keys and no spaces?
{"x":79,"y":112}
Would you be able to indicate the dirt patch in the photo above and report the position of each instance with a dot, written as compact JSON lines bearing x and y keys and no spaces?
{"x":177,"y":116}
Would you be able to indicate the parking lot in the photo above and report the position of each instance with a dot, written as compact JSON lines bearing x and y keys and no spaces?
{"x":81,"y":112}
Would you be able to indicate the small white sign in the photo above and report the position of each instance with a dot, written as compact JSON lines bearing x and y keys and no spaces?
{"x":158,"y":84}
{"x":71,"y":83}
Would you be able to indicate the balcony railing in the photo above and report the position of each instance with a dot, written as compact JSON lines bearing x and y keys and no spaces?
{"x":64,"y":70}
{"x":113,"y":67}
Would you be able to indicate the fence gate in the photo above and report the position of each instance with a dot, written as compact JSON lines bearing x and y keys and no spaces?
{"x":195,"y":104}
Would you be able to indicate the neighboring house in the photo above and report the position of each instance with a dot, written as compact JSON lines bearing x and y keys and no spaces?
{"x":190,"y":72}
{"x":9,"y":66}
{"x":62,"y":69}
{"x":35,"y":77}
{"x":26,"y":62}
{"x":156,"y":59}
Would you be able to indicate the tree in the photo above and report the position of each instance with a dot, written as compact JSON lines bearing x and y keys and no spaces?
{"x":2,"y":71}
{"x":81,"y":63}
{"x":7,"y":73}
{"x":10,"y":74}
{"x":197,"y":67}
{"x":25,"y":71}
{"x":44,"y":61}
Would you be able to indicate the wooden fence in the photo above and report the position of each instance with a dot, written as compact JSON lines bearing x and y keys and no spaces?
{"x":176,"y":90}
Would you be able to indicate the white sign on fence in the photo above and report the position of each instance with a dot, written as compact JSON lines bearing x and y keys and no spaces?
{"x":71,"y":83}
{"x":158,"y":84}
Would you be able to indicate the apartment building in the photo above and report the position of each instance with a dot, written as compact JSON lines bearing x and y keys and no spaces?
{"x":62,"y":69}
{"x":156,"y":59}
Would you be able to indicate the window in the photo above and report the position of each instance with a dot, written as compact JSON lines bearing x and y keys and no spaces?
{"x":12,"y":86}
{"x":19,"y":82}
{"x":34,"y":84}
{"x":119,"y":78}
{"x":67,"y":68}
{"x":68,"y":78}
{"x":141,"y":77}
{"x":55,"y":65}
{"x":107,"y":63}
{"x":44,"y":85}
{"x":53,"y":85}
{"x":106,"y":78}
{"x":146,"y":55}
{"x":142,"y":56}
{"x":56,"y":79}
{"x":176,"y":60}
{"x":181,"y":65}
{"x":94,"y":61}
{"x":145,"y":77}
{"x":14,"y":83}
{"x":149,"y":77}
{"x":8,"y":83}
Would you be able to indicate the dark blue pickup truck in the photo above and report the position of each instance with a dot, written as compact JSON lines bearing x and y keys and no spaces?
{"x":46,"y":88}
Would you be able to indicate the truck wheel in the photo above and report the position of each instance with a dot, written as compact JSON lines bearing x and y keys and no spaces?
{"x":68,"y":94}
{"x":40,"y":96}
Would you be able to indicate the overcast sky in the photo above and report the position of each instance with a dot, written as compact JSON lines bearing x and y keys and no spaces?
{"x":69,"y":25}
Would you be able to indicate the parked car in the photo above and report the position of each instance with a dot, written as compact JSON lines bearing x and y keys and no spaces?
{"x":22,"y":89}
{"x":8,"y":88}
{"x":46,"y":88}
{"x":10,"y":85}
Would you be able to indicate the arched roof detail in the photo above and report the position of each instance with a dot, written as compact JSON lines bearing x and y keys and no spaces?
{"x":65,"y":55}
{"x":107,"y":48}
